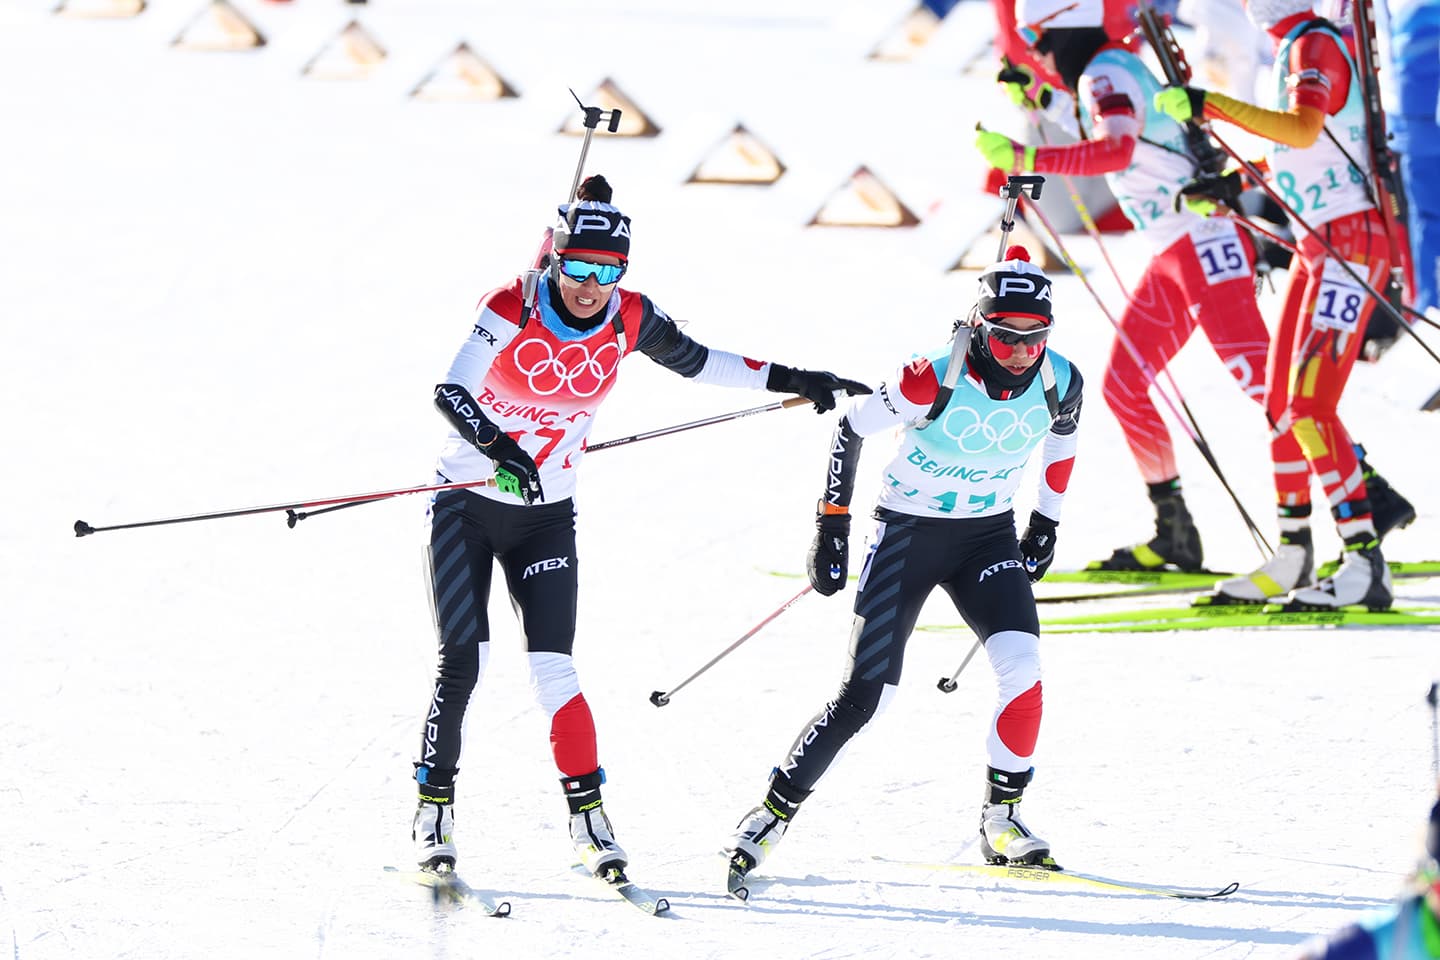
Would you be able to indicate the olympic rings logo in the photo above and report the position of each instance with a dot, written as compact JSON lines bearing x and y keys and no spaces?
{"x":1005,"y":430}
{"x":573,"y":366}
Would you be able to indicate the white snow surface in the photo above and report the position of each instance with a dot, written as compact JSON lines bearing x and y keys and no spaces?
{"x":225,"y":285}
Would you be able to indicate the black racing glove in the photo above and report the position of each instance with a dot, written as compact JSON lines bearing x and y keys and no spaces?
{"x":1208,"y":189}
{"x":1037,"y":546}
{"x":817,"y":386}
{"x":829,"y":555}
{"x":515,"y":470}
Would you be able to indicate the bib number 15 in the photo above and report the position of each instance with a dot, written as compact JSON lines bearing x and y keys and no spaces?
{"x":1222,"y":259}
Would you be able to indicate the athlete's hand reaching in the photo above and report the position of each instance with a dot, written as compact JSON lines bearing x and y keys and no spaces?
{"x":817,"y":386}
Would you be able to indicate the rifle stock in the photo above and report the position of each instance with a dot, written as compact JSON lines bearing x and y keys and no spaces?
{"x":1209,"y":159}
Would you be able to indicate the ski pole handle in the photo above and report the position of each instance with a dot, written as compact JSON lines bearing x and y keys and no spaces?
{"x":1012,"y":191}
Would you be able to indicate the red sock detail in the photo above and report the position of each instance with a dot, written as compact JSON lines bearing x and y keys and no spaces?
{"x":572,"y":737}
{"x":1019,"y":723}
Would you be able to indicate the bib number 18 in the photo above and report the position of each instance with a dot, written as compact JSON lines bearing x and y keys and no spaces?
{"x":1341,"y":299}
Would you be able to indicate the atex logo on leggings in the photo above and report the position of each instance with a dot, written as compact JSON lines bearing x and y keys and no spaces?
{"x":997,"y":567}
{"x":540,"y":566}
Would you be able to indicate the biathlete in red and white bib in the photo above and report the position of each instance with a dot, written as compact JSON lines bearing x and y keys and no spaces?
{"x":1319,"y":162}
{"x":1201,"y":272}
{"x":520,"y":396}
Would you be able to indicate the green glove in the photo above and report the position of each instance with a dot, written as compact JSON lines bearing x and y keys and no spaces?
{"x":1181,"y":104}
{"x":999,"y":151}
{"x":1017,"y":81}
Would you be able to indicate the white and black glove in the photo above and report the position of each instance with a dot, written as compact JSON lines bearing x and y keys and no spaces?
{"x":1037,"y":546}
{"x":828,"y":561}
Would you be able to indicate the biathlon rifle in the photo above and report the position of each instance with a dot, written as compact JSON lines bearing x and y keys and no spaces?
{"x":1209,"y":159}
{"x":1389,"y":196}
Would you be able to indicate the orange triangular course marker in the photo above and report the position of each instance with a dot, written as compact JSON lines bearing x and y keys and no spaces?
{"x":608,"y":96}
{"x":463,"y":76}
{"x":863,"y":201}
{"x":100,"y":8}
{"x":350,"y":56}
{"x":739,"y":158}
{"x":907,"y":39}
{"x":219,"y":27}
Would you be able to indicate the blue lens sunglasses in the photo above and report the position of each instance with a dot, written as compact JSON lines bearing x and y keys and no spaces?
{"x":581,"y":270}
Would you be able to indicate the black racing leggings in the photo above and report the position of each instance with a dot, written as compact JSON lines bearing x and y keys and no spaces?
{"x":975,"y":561}
{"x":536,"y":549}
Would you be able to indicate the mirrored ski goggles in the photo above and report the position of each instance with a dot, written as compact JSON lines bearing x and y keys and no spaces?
{"x":581,"y":270}
{"x":1003,"y":340}
{"x":1031,"y":32}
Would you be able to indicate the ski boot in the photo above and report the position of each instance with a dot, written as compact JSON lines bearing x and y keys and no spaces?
{"x":759,"y":831}
{"x":1363,"y":579}
{"x":590,"y":829}
{"x":1293,"y":566}
{"x":433,"y":829}
{"x":1176,"y":542}
{"x":1388,"y":509}
{"x":1004,"y":838}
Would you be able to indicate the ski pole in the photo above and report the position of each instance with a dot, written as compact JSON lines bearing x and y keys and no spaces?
{"x":83,"y":529}
{"x":948,"y":684}
{"x":720,"y":418}
{"x":1188,"y":420}
{"x":662,"y":697}
{"x":1433,"y":698}
{"x":296,"y":511}
{"x":661,"y":432}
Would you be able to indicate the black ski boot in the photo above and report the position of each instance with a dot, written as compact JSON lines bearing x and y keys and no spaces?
{"x":1176,"y":542}
{"x":1388,"y":509}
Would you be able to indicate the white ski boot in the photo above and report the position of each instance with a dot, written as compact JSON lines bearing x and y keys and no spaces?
{"x":1293,"y":566}
{"x":433,"y":832}
{"x":755,"y":837}
{"x":1362,"y":580}
{"x":1004,"y":838}
{"x":590,"y":831}
{"x":594,"y":841}
{"x":760,"y":830}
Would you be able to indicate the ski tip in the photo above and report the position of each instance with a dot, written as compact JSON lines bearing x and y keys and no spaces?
{"x":741,"y":893}
{"x":662,"y":906}
{"x":502,"y":909}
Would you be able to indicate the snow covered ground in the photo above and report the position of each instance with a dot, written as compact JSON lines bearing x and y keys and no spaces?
{"x":223,"y":284}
